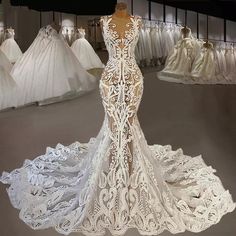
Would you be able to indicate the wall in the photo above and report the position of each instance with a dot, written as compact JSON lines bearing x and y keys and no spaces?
{"x":27,"y":22}
{"x":215,"y":25}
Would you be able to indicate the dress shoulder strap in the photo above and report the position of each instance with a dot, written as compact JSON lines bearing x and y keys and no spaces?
{"x":138,"y":20}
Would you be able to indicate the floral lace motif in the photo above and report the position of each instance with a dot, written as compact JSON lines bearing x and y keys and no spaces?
{"x":116,"y":181}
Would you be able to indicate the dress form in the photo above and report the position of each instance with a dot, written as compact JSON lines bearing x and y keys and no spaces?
{"x":185,"y":31}
{"x":121,"y":18}
{"x":56,"y":26}
{"x":207,"y":44}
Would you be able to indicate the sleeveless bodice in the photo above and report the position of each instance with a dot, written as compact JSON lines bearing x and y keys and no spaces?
{"x":121,"y":48}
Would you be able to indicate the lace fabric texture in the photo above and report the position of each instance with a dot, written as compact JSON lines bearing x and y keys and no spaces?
{"x":117,"y":181}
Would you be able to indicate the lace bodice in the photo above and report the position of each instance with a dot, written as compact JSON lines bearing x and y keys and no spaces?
{"x":121,"y":47}
{"x":49,"y":32}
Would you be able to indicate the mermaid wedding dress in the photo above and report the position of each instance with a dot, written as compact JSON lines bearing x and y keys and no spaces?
{"x":117,"y":181}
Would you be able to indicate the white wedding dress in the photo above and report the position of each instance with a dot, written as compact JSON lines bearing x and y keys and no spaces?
{"x":179,"y":61}
{"x":85,"y":52}
{"x":117,"y":181}
{"x":204,"y":65}
{"x":7,"y":83}
{"x":49,"y":71}
{"x":10,"y":46}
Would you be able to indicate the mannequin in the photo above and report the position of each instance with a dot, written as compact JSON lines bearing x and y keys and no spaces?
{"x":121,"y":18}
{"x":185,"y":31}
{"x":207,"y":44}
{"x":56,"y":26}
{"x":81,"y":32}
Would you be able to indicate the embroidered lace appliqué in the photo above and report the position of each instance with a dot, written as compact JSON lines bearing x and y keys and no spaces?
{"x":116,"y":181}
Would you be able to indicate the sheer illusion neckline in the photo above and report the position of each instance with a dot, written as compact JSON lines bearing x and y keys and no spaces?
{"x":128,"y":26}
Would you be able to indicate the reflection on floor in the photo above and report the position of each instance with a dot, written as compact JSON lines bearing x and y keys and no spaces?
{"x":200,"y":119}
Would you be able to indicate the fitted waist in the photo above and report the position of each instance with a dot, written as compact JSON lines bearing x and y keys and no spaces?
{"x":124,"y":59}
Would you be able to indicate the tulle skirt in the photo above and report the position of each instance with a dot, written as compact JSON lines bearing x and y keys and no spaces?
{"x":11,"y":50}
{"x":86,"y":54}
{"x":49,"y":70}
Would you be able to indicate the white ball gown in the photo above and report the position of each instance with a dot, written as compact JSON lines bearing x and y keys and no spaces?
{"x":117,"y":181}
{"x":7,"y":83}
{"x":85,"y":52}
{"x":10,"y":46}
{"x":49,"y":71}
{"x":204,"y":65}
{"x":178,"y":64}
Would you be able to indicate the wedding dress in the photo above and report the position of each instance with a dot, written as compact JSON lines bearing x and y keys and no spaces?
{"x":179,"y":61}
{"x":85,"y":52}
{"x":4,"y":62}
{"x":168,"y":41}
{"x":117,"y":181}
{"x":230,"y":63}
{"x":49,"y":70}
{"x":10,"y":47}
{"x":7,"y":83}
{"x":204,"y":65}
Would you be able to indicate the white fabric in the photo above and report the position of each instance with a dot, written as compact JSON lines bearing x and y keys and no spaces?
{"x":7,"y":84}
{"x":49,"y":69}
{"x":11,"y":50}
{"x":85,"y":53}
{"x":7,"y":89}
{"x":191,"y":62}
{"x":155,"y":42}
{"x":116,"y":181}
{"x":4,"y":62}
{"x":204,"y":66}
{"x":10,"y":47}
{"x":179,"y":61}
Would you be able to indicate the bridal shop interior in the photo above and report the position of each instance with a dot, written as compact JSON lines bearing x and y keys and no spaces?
{"x":57,"y":61}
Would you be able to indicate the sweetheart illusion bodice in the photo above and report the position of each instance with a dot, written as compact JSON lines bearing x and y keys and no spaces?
{"x":121,"y":48}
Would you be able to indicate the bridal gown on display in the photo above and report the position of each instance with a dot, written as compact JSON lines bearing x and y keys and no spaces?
{"x":85,"y":52}
{"x":220,"y":64}
{"x":117,"y":181}
{"x":204,"y":65}
{"x":10,"y":47}
{"x":179,"y":61}
{"x":230,"y":64}
{"x":49,"y":71}
{"x":7,"y":83}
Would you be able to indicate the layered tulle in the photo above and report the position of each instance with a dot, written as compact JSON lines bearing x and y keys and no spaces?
{"x":11,"y":50}
{"x":49,"y":70}
{"x":7,"y":83}
{"x":86,"y":54}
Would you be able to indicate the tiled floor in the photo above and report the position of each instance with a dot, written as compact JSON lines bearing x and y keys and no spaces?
{"x":200,"y":119}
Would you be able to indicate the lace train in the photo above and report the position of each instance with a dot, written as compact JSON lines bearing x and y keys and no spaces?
{"x":72,"y":189}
